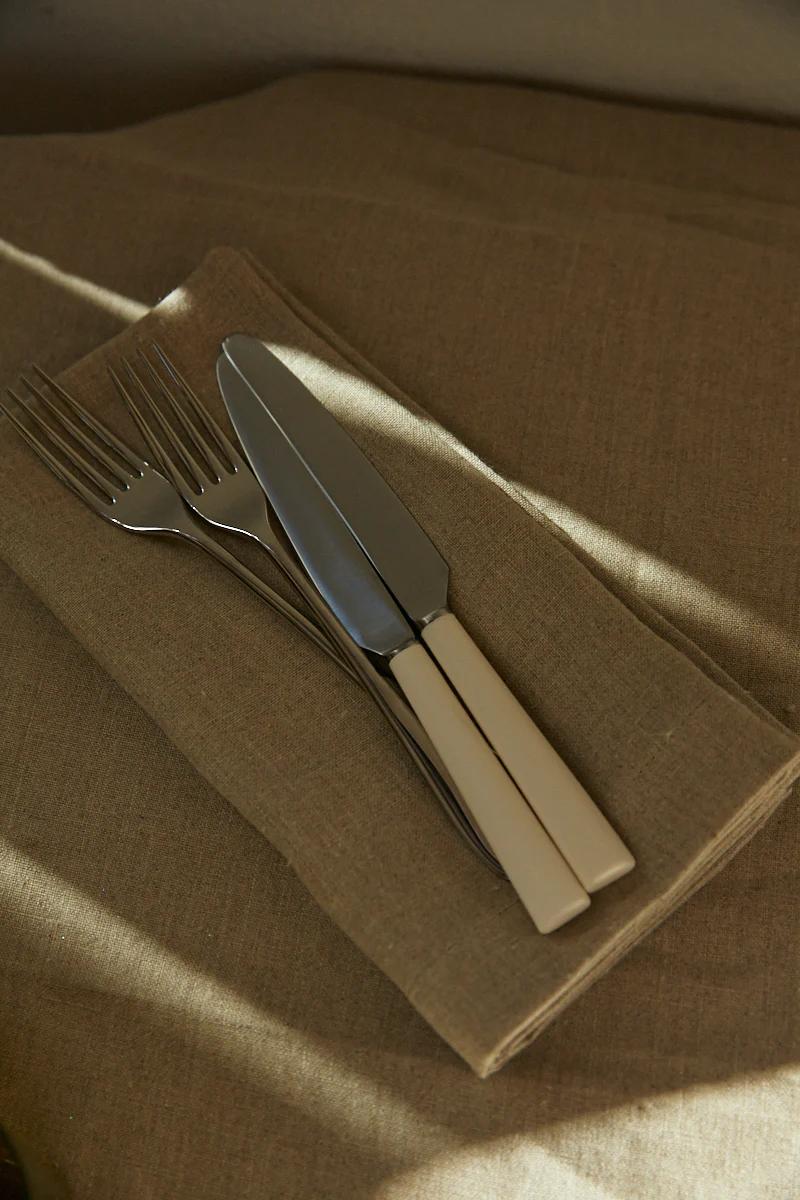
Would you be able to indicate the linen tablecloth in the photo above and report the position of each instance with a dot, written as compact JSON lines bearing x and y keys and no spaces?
{"x":619,"y":351}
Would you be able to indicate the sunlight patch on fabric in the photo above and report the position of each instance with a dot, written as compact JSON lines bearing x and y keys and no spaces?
{"x":94,"y":947}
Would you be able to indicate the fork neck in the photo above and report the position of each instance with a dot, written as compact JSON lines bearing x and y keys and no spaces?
{"x":261,"y":532}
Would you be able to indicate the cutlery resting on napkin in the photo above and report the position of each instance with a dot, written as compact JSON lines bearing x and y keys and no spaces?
{"x":684,"y":763}
{"x":380,"y":580}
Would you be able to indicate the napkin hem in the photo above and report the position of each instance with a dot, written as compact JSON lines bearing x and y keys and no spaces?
{"x":715,"y":855}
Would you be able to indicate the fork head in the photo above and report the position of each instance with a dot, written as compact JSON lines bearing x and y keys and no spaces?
{"x":189,"y":445}
{"x":91,"y":460}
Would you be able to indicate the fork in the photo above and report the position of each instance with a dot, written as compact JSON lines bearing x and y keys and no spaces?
{"x":218,"y":485}
{"x":127,"y":491}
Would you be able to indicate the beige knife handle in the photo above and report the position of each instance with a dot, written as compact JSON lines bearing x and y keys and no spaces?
{"x":541,"y":878}
{"x":592,"y":848}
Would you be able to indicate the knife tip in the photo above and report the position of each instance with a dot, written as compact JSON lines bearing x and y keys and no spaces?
{"x":235,"y":341}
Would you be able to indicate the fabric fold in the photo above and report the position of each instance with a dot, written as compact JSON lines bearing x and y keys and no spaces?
{"x":686,"y":765}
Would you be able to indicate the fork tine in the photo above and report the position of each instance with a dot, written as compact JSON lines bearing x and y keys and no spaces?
{"x":154,"y":445}
{"x":89,"y":444}
{"x":171,"y":446}
{"x":50,"y":460}
{"x":185,"y":421}
{"x":70,"y":453}
{"x":213,"y":429}
{"x":110,"y":439}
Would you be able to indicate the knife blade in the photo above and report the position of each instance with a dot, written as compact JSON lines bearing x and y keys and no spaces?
{"x":417,"y":575}
{"x":350,"y":585}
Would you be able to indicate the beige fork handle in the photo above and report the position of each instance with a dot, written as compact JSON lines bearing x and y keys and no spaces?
{"x":540,"y":876}
{"x":593,"y":849}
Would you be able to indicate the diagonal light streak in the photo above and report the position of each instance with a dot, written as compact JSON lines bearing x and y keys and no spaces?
{"x":120,"y":306}
{"x":104,"y":951}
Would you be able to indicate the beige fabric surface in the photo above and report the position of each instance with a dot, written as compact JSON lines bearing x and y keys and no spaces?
{"x":684,"y":770}
{"x":104,"y":65}
{"x":595,"y":345}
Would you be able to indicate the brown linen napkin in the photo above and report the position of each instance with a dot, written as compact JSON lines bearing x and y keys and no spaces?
{"x":685,"y":764}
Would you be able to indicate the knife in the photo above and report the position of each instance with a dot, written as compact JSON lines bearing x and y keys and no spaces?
{"x":417,"y":576}
{"x":350,"y":585}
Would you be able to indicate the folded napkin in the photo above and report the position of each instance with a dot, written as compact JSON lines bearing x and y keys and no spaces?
{"x":686,"y":765}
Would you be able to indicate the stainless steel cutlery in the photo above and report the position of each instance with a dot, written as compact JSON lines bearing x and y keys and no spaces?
{"x":323,"y":487}
{"x":416,"y":574}
{"x":374,"y":586}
